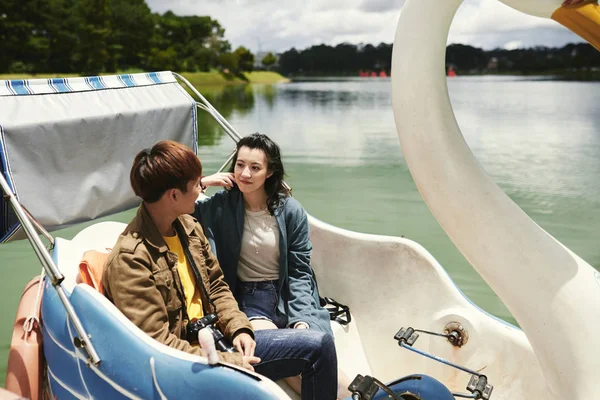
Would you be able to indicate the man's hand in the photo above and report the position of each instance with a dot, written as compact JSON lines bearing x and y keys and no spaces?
{"x":244,"y":343}
{"x":248,"y":361}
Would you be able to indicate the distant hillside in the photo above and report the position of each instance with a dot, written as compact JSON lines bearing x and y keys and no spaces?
{"x":537,"y":60}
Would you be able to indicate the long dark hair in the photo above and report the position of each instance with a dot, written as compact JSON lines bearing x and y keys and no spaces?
{"x":274,"y":185}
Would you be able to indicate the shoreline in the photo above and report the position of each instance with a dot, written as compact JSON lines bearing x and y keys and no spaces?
{"x":212,"y":78}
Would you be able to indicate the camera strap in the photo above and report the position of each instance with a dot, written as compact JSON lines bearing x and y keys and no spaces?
{"x":190,"y":260}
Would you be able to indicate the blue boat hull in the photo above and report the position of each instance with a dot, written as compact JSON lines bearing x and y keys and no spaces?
{"x":131,"y":367}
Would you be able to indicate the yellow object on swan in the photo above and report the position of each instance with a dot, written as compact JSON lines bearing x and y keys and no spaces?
{"x":583,"y":19}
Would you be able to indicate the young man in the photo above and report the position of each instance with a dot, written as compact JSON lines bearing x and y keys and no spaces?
{"x":150,"y":279}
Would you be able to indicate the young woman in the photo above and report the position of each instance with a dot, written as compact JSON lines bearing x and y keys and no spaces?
{"x":260,"y":235}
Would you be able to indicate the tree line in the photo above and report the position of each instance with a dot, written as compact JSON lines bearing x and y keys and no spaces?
{"x":343,"y":59}
{"x":94,"y":36}
{"x":526,"y":61}
{"x":348,"y":59}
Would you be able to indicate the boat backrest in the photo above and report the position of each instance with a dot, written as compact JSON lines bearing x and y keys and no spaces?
{"x":66,"y":145}
{"x":68,"y":254}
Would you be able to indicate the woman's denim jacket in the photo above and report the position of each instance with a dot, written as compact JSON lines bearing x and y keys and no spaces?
{"x":222,"y":217}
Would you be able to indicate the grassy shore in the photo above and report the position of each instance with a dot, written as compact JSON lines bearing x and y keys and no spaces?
{"x":213,"y":78}
{"x":219,"y":78}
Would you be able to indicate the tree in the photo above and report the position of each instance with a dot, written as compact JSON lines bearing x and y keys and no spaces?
{"x":229,"y":61}
{"x":197,"y":41}
{"x":245,"y":59}
{"x":466,"y":58}
{"x":290,"y":62}
{"x":61,"y":27}
{"x":269,"y":60}
{"x":17,"y":35}
{"x":91,"y":54}
{"x":132,"y":27}
{"x":163,"y":60}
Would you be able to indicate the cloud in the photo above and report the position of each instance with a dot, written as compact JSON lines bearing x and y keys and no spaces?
{"x":491,"y":24}
{"x":513,"y":45}
{"x":491,"y":16}
{"x":273,"y":25}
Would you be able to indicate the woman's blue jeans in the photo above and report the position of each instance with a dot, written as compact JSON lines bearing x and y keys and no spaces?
{"x":289,"y":352}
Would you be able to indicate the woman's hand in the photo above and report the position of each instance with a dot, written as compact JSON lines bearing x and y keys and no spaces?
{"x":244,"y":343}
{"x":224,"y":179}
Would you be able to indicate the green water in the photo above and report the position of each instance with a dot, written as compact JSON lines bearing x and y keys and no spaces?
{"x":539,"y":140}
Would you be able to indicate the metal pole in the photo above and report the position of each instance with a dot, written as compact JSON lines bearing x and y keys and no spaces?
{"x":231,"y":134}
{"x":39,"y":227}
{"x":438,"y":359}
{"x":52,"y":271}
{"x":38,"y":247}
{"x":215,"y":113}
{"x":228,"y":161}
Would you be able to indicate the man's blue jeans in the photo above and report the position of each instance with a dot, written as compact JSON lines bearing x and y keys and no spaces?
{"x":306,"y":352}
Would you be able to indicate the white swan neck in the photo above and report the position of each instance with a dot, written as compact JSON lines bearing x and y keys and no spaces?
{"x":541,"y":282}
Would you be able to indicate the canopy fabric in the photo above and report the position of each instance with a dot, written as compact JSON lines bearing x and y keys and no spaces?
{"x":23,"y":87}
{"x":67,"y":144}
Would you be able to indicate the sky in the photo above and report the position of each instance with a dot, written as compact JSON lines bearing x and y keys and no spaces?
{"x":279,"y":25}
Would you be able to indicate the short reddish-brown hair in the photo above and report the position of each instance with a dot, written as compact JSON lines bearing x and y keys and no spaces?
{"x":165,"y":166}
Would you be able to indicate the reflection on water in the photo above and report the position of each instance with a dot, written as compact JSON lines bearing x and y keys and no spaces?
{"x":227,"y":100}
{"x":539,"y":140}
{"x":230,"y":101}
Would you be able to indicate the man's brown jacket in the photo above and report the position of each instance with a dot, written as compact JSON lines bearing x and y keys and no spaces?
{"x":141,"y":279}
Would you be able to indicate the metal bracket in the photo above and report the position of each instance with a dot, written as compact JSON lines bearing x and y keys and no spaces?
{"x":364,"y":386}
{"x":457,"y":335}
{"x":407,"y":336}
{"x":478,"y":386}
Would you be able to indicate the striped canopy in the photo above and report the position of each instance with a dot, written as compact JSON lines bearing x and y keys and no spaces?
{"x":67,"y":144}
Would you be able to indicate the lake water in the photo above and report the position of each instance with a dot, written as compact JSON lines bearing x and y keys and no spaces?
{"x":539,"y":140}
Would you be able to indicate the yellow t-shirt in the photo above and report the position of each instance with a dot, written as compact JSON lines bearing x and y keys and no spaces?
{"x":188,"y":279}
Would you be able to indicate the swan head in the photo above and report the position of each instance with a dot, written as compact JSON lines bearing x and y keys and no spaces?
{"x":580,"y":16}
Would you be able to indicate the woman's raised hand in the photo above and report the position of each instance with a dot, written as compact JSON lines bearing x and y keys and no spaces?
{"x":224,"y":179}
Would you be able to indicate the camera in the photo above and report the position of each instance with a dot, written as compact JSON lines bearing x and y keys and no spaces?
{"x":208,"y":321}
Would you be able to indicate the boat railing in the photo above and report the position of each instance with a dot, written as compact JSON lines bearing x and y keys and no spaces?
{"x":205,"y":105}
